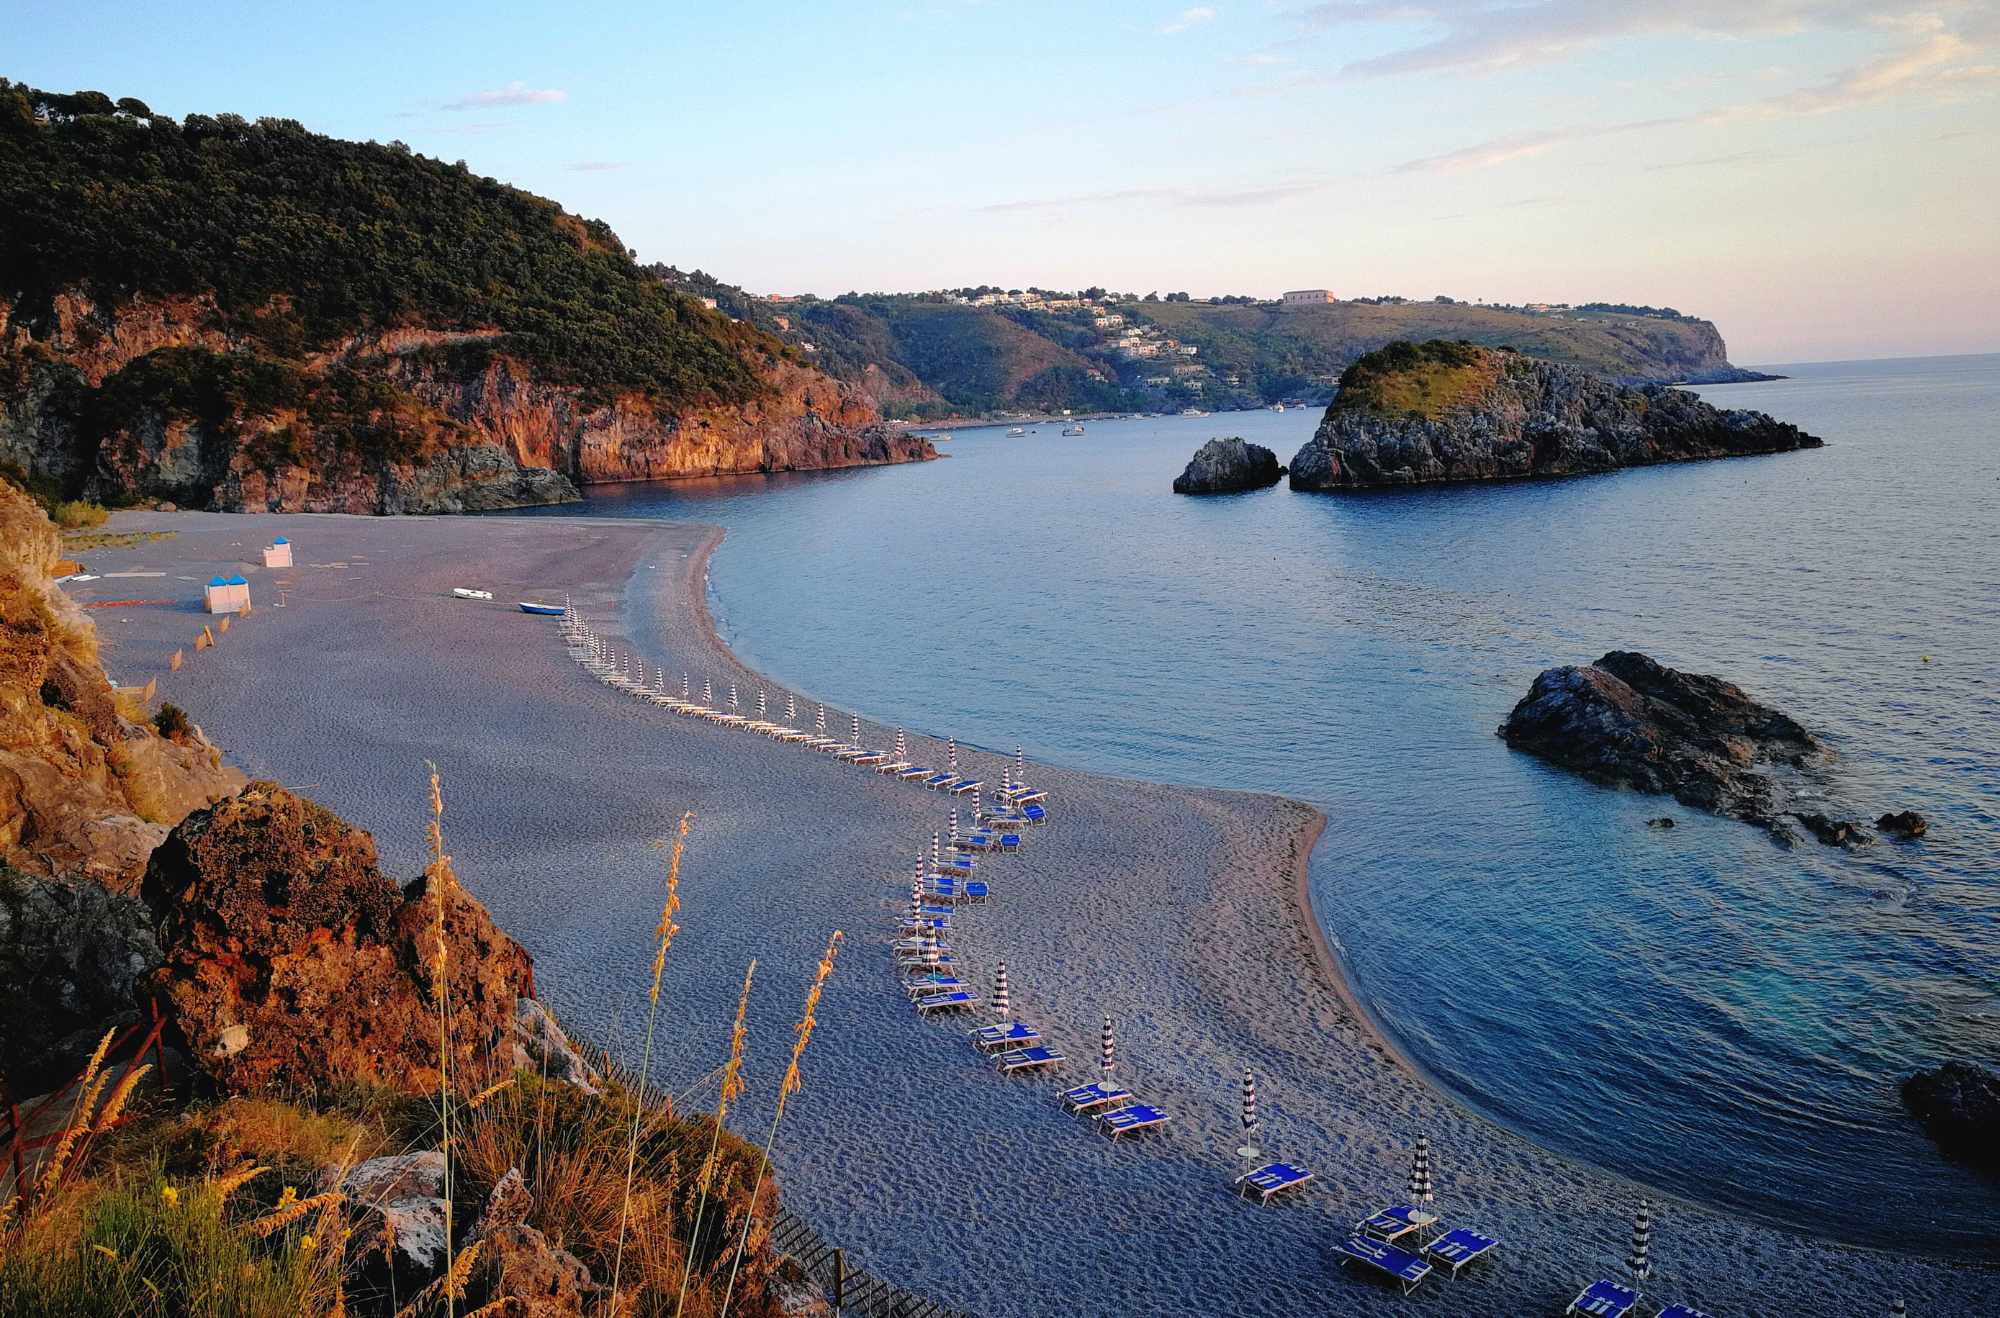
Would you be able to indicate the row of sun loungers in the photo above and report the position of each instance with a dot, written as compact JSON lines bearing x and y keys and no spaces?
{"x":1373,"y":1245}
{"x":1609,"y":1299}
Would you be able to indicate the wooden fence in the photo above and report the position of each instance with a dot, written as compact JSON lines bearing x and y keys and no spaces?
{"x":850,"y":1289}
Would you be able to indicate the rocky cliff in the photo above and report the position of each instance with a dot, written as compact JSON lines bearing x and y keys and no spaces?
{"x":86,"y":792}
{"x":254,"y":316}
{"x":1416,"y":414}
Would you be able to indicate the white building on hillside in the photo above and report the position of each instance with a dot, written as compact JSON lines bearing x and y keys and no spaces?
{"x":1306,"y":297}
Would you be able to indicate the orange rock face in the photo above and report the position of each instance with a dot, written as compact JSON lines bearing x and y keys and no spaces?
{"x":289,"y":960}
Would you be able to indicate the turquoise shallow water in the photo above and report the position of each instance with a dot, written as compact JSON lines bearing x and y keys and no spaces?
{"x":1702,"y":1008}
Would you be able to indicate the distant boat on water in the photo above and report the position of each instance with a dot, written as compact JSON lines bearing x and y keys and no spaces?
{"x":1277,"y":407}
{"x":545,"y":610}
{"x":1016,"y":432}
{"x":1076,"y":429}
{"x":1192,"y":411}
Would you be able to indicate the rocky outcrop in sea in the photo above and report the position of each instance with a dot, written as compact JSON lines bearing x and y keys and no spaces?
{"x":1958,"y":1105}
{"x":1225,"y":466}
{"x":1630,"y":721}
{"x":1482,"y":414}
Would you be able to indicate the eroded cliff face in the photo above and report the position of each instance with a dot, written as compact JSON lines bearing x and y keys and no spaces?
{"x":153,"y":400}
{"x":86,"y":793}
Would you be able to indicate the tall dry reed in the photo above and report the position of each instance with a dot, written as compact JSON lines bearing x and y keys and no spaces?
{"x":791,"y":1084}
{"x":441,"y":877}
{"x":732,"y":1085}
{"x":663,"y":938}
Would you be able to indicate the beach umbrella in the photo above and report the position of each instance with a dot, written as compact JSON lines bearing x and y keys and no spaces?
{"x":1020,"y":765}
{"x":732,"y":697}
{"x":821,"y":724}
{"x":951,"y":754}
{"x":902,"y":746}
{"x":707,"y":692}
{"x":1249,"y":1149}
{"x":954,"y":826}
{"x":1105,"y":1065}
{"x":976,"y":812}
{"x":1642,"y":1242}
{"x":1000,"y":1007}
{"x":685,"y":690}
{"x":931,"y":946}
{"x":917,"y":894}
{"x":937,"y":857}
{"x":760,"y":703}
{"x":1420,"y":1176}
{"x":854,"y":737}
{"x":791,"y":709}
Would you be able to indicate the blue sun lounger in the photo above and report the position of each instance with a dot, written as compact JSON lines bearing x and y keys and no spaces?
{"x":1029,"y":1059}
{"x":1682,"y":1311}
{"x":1398,"y":1265}
{"x":1272,"y":1178}
{"x":1035,"y":814}
{"x":930,"y":985}
{"x":1010,"y":842}
{"x":943,"y":1002}
{"x":990,"y":1038}
{"x":940,"y":779}
{"x":916,"y":771}
{"x":1391,"y":1223}
{"x":1090,"y":1097}
{"x":1455,"y":1249}
{"x":975,"y":891}
{"x":1133,"y":1117}
{"x":1604,"y":1299}
{"x":966,"y":787}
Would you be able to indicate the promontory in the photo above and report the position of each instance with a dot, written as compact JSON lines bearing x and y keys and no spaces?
{"x":1445,"y":411}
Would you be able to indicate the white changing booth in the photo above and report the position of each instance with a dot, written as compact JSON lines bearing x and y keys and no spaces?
{"x":227,"y":595}
{"x":278,"y":553}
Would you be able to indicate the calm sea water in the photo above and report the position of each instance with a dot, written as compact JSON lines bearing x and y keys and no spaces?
{"x":1702,"y":1008}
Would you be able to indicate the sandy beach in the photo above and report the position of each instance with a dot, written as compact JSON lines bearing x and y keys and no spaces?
{"x":1180,"y":912}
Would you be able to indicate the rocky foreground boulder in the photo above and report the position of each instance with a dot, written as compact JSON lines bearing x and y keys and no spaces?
{"x":288,"y":959}
{"x":1224,"y":466}
{"x":1630,"y":721}
{"x":1958,"y":1105}
{"x":1416,"y":414}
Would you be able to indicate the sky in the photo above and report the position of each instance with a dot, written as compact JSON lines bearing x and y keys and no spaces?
{"x":1820,"y":177}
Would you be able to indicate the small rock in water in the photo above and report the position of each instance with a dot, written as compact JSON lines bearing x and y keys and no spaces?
{"x":1664,"y":821}
{"x":1903,"y":823}
{"x":1958,"y":1105}
{"x":1224,"y":466}
{"x":1833,"y":832}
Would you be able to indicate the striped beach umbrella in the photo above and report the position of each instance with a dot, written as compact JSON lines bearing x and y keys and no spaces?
{"x":931,"y":956}
{"x":954,"y":827}
{"x":1640,"y":1262}
{"x":732,"y":698}
{"x":976,"y":811}
{"x":707,"y":692}
{"x":760,"y":703}
{"x":1420,"y":1176}
{"x":686,"y":690}
{"x":937,"y":853}
{"x":902,"y":745}
{"x":951,"y":754}
{"x":821,"y":723}
{"x":916,"y":898}
{"x":1105,"y":1066}
{"x":1020,"y":765}
{"x":791,"y":709}
{"x":1000,"y":1006}
{"x":1249,"y":1104}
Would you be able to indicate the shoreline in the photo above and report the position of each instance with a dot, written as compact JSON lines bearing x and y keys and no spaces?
{"x":1149,"y":901}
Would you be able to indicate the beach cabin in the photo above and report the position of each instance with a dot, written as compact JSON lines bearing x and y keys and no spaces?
{"x":227,"y":595}
{"x":278,"y":553}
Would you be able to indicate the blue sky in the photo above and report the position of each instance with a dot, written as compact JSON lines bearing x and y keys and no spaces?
{"x":1819,"y":176}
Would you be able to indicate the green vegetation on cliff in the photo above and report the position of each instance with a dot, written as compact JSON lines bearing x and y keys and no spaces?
{"x":304,"y":240}
{"x":1416,"y":379}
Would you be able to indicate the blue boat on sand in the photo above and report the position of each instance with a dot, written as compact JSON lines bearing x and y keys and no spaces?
{"x":545,"y":610}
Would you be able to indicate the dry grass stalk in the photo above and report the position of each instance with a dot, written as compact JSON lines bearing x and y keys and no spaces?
{"x":732,"y":1085}
{"x":222,"y":628}
{"x":478,"y":1100}
{"x":79,"y":1125}
{"x":237,"y":1179}
{"x":448,"y":1288}
{"x":288,"y":1213}
{"x":791,"y":1084}
{"x":441,"y":878}
{"x":115,"y":1105}
{"x":664,"y":936}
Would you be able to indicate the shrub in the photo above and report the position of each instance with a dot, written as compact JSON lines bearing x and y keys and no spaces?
{"x":171,"y":722}
{"x":76,"y":515}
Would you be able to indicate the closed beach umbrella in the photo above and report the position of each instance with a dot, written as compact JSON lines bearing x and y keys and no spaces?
{"x":686,"y":689}
{"x":1104,"y":1063}
{"x":821,"y":724}
{"x":707,"y":692}
{"x":916,"y":900}
{"x":976,"y":812}
{"x":931,"y":946}
{"x":732,"y":698}
{"x":951,"y":754}
{"x":1249,"y":1105}
{"x":954,"y":826}
{"x":1642,"y":1242}
{"x":854,"y":738}
{"x":1020,"y":765}
{"x":760,"y":703}
{"x":1000,"y":1007}
{"x":937,"y":859}
{"x":1420,"y":1175}
{"x":902,"y":745}
{"x":791,"y":709}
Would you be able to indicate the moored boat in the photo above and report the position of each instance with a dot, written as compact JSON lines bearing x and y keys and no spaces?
{"x":466,"y":594}
{"x":1075,"y":429}
{"x":545,"y":610}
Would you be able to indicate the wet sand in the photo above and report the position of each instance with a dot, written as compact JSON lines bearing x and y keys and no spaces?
{"x":1179,"y":912}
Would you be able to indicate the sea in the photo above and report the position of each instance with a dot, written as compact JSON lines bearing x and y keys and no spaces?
{"x":1705,"y":1009}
